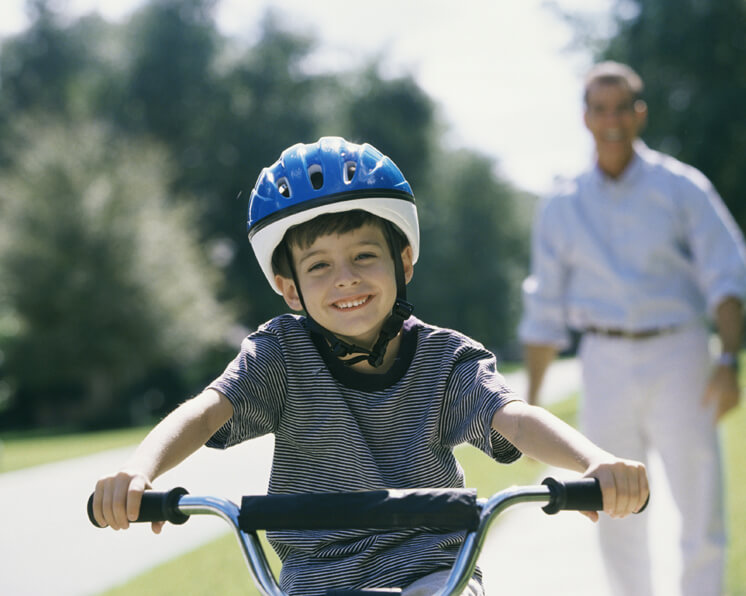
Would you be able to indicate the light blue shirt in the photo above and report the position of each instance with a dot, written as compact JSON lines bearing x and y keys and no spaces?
{"x":654,"y":248}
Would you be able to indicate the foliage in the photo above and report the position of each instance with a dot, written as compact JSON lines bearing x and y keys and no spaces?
{"x":696,"y":92}
{"x":101,"y":275}
{"x":218,"y":111}
{"x":397,"y":116}
{"x":471,"y":221}
{"x":691,"y":55}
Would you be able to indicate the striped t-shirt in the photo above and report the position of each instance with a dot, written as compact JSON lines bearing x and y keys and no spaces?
{"x":340,"y":430}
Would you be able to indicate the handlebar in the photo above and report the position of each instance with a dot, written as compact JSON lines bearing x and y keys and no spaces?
{"x":448,"y":509}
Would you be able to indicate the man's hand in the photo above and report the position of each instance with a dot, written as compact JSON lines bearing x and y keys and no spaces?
{"x":722,"y":393}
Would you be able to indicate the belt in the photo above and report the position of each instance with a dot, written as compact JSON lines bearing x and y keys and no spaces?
{"x":624,"y":334}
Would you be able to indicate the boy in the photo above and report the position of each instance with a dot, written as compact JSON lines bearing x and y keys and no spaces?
{"x":359,"y":394}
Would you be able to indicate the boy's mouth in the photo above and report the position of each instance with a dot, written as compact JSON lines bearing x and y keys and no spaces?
{"x":351,"y":303}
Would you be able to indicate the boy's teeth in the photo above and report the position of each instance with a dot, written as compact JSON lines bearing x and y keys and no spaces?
{"x":351,"y":303}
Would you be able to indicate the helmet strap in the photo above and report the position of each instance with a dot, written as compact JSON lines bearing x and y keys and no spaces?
{"x":391,"y":327}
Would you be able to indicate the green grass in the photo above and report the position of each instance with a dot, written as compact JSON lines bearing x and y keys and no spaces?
{"x":735,"y":448}
{"x":195,"y":572}
{"x":215,"y":568}
{"x":23,"y":450}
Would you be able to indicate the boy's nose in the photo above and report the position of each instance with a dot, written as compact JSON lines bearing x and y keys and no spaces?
{"x":347,"y":276}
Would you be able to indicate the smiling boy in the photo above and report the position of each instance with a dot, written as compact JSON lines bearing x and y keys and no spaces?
{"x":359,"y":394}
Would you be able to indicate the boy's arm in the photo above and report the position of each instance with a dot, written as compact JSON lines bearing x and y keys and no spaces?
{"x":117,"y":498}
{"x":544,"y":437}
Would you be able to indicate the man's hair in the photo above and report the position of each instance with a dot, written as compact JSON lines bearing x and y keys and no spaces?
{"x":614,"y":73}
{"x":305,"y":234}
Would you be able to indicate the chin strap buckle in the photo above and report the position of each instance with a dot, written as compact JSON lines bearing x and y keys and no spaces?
{"x":402,"y":309}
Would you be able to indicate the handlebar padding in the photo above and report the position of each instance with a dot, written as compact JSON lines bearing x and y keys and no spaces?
{"x":155,"y":506}
{"x":444,"y":509}
{"x":574,"y":495}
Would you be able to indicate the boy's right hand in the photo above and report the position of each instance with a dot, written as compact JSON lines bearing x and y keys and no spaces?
{"x":117,"y":498}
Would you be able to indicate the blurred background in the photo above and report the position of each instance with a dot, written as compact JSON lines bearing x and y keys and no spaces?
{"x":131,"y":134}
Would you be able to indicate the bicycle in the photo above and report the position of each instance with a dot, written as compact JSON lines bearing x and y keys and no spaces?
{"x":446,"y":509}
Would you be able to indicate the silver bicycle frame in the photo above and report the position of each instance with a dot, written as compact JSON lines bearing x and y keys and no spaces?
{"x":461,"y":572}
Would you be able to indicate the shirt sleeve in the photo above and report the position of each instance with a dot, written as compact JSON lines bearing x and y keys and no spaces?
{"x":474,"y":393}
{"x":255,"y":383}
{"x":715,"y":240}
{"x":543,"y":318}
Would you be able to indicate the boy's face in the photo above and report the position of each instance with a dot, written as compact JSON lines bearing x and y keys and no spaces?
{"x":348,"y":282}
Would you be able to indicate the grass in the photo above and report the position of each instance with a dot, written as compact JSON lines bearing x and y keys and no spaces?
{"x":194,"y":573}
{"x":734,"y":449}
{"x":24,"y":450}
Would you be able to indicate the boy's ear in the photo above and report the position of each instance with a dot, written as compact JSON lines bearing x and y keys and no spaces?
{"x":289,"y":292}
{"x":408,"y":265}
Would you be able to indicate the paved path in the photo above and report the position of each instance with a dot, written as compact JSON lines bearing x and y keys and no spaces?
{"x":48,"y":548}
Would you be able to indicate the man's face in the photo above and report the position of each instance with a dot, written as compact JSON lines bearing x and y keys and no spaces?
{"x":614,"y":119}
{"x":348,"y":282}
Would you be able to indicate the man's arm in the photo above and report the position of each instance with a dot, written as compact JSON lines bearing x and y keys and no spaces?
{"x":544,"y":437}
{"x":537,"y":358}
{"x":116,"y":501}
{"x":722,"y":391}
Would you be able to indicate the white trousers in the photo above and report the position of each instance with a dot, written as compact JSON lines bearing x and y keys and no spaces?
{"x":646,"y":394}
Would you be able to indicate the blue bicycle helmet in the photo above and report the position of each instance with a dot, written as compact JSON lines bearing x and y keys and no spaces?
{"x":331,"y":176}
{"x":328,"y":176}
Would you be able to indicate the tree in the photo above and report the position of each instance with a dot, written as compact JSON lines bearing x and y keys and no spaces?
{"x":475,"y":231}
{"x":37,"y":67}
{"x":692,"y":56}
{"x":394,"y":115}
{"x":171,"y":75}
{"x":102,"y":279}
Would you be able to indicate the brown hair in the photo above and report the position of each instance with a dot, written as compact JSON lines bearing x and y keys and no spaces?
{"x":614,"y":73}
{"x":305,"y":234}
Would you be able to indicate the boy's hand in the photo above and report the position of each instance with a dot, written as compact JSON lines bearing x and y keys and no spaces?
{"x":116,"y":501}
{"x":624,"y":485}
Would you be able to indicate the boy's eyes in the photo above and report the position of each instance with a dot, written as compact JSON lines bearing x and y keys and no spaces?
{"x":320,"y":265}
{"x":317,"y":266}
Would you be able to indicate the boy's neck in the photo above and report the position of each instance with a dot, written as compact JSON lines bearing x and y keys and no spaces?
{"x":388,"y":359}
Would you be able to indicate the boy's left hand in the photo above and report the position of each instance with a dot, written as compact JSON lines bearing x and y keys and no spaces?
{"x":624,"y":485}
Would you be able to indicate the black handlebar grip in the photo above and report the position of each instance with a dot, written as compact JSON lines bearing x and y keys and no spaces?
{"x":155,"y":506}
{"x":575,"y":495}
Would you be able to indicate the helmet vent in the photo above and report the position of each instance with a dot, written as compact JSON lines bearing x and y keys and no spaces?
{"x":316,"y":176}
{"x":283,"y":187}
{"x":350,"y":168}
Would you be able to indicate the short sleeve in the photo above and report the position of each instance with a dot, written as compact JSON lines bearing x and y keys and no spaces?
{"x":475,"y":391}
{"x":255,"y":383}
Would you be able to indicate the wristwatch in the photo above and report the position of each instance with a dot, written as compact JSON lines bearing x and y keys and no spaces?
{"x":728,"y":359}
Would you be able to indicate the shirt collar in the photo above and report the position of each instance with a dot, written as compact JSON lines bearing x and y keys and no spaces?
{"x":630,"y":174}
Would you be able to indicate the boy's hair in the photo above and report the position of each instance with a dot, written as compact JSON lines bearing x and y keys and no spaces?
{"x":614,"y":73}
{"x":305,"y":234}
